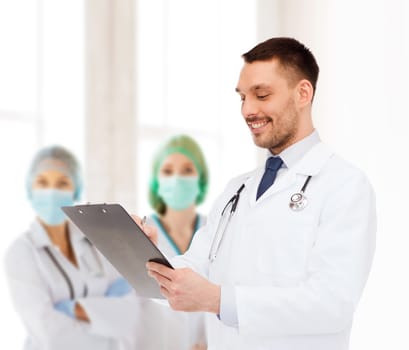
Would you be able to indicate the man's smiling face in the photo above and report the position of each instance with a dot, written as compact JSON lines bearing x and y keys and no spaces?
{"x":269,"y":104}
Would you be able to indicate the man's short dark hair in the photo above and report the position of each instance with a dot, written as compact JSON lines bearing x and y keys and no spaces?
{"x":294,"y":57}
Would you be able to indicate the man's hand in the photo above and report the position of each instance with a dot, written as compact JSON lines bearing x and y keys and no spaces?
{"x":185,"y":289}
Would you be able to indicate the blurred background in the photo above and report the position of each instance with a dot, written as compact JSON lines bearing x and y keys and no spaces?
{"x":111,"y":79}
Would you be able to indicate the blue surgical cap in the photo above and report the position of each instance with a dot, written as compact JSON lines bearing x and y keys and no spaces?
{"x":55,"y":158}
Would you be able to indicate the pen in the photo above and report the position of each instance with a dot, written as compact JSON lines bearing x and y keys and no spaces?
{"x":143,"y":221}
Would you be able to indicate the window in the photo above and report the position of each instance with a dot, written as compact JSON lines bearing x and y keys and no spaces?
{"x":188,"y":60}
{"x":41,"y":103}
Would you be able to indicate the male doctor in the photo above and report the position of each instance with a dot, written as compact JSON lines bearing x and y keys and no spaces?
{"x":284,"y":265}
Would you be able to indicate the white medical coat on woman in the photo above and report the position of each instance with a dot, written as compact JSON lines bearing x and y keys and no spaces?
{"x":295,"y":276}
{"x":164,"y":328}
{"x":37,"y":283}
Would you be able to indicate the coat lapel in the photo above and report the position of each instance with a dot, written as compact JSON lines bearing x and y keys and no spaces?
{"x":310,"y":164}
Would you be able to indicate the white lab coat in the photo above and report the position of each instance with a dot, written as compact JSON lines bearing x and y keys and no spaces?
{"x":297,"y":276}
{"x":164,"y":328}
{"x":36,"y":285}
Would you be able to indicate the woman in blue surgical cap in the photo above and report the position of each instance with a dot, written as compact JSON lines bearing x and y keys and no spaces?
{"x":67,"y":295}
{"x":178,"y":184}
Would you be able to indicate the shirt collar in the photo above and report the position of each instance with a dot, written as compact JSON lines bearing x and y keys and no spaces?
{"x":40,"y":238}
{"x":298,"y":150}
{"x":38,"y":235}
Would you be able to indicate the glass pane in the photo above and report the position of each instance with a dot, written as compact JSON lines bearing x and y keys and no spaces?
{"x":151,"y":63}
{"x":193,"y":80}
{"x":63,"y":74}
{"x":204,"y":61}
{"x":19,"y":55}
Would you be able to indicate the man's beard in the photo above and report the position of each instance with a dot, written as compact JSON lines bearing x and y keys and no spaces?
{"x":284,"y":133}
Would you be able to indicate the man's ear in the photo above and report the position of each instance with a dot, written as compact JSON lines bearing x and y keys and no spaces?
{"x":305,"y":92}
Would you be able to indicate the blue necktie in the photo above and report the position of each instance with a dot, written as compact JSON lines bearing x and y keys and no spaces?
{"x":272,"y":166}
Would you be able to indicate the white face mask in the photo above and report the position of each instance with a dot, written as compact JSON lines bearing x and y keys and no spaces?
{"x":178,"y":192}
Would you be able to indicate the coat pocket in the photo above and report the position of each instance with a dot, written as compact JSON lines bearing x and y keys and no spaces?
{"x":282,"y":252}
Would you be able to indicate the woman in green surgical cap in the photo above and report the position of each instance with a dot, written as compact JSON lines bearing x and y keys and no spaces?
{"x":178,"y":184}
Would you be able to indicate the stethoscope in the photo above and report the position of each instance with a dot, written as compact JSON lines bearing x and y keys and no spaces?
{"x":66,"y":276}
{"x":298,"y":201}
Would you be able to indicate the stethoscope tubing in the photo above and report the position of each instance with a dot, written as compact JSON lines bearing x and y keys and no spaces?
{"x":305,"y":184}
{"x":295,"y":205}
{"x":214,"y":248}
{"x":65,"y":274}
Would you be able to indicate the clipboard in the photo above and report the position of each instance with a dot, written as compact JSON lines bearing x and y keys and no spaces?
{"x":117,"y":236}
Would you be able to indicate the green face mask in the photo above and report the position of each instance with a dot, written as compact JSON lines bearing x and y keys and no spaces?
{"x":178,"y":192}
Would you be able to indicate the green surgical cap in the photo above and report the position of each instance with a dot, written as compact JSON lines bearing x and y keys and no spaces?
{"x":187,"y":146}
{"x":59,"y":158}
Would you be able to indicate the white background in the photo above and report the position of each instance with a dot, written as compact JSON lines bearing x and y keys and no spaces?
{"x":361,"y":110}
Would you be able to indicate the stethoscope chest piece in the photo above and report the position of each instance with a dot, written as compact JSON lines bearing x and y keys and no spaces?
{"x":298,"y":201}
